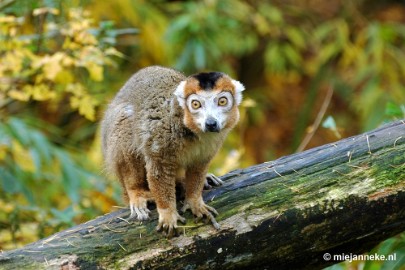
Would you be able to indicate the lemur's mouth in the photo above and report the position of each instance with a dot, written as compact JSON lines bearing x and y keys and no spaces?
{"x":214,"y":130}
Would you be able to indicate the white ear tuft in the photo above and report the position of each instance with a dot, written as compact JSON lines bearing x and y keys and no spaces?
{"x":238,"y":89}
{"x":179,"y":93}
{"x":238,"y":86}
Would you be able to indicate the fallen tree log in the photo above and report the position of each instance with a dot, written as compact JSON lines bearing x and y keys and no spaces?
{"x":342,"y":197}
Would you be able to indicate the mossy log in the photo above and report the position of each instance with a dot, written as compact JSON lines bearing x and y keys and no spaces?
{"x":342,"y":197}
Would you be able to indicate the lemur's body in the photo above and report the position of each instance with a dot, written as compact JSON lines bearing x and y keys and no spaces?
{"x":151,"y":140}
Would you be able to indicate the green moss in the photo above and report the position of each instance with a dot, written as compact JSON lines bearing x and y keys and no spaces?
{"x":392,"y":177}
{"x":362,"y":175}
{"x":15,"y":264}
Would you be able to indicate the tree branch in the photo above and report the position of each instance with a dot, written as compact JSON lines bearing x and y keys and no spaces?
{"x":318,"y":119}
{"x":343,"y":197}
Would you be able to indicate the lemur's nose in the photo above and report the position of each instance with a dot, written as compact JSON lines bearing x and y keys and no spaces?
{"x":211,"y":125}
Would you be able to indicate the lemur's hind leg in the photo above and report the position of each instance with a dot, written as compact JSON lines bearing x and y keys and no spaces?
{"x":133,"y":178}
{"x":194,"y":184}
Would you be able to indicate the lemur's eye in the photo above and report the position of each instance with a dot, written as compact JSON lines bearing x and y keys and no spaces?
{"x":195,"y":104}
{"x":223,"y":101}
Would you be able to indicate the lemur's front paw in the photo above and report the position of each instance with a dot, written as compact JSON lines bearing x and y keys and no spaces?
{"x":212,"y":181}
{"x":139,"y":209}
{"x":168,"y":222}
{"x":201,"y":211}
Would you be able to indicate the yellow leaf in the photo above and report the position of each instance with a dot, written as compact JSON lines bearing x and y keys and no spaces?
{"x":22,"y":157}
{"x":39,"y":78}
{"x":85,"y":38}
{"x":19,"y":95}
{"x":69,"y":44}
{"x":95,"y":70}
{"x":248,"y":103}
{"x":45,"y":10}
{"x":6,"y":207}
{"x":7,"y":19}
{"x":261,"y":24}
{"x":86,"y":106}
{"x":39,"y":92}
{"x":52,"y":65}
{"x":113,"y":51}
{"x":76,"y":89}
{"x":3,"y":151}
{"x":12,"y":61}
{"x":74,"y":102}
{"x":67,"y":61}
{"x":64,"y":77}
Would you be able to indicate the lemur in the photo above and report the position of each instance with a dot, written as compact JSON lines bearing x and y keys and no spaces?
{"x":163,"y":128}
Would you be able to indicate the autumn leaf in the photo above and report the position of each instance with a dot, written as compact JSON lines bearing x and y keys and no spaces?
{"x":39,"y":92}
{"x":95,"y":70}
{"x":85,"y":105}
{"x":19,"y":95}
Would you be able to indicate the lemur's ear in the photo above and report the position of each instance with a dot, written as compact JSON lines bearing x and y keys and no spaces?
{"x":238,"y":89}
{"x":179,"y":93}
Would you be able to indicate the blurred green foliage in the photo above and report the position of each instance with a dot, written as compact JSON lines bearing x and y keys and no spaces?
{"x":42,"y":183}
{"x":52,"y":61}
{"x":62,"y":61}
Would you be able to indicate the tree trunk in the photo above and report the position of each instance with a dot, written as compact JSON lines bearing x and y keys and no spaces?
{"x":343,"y":197}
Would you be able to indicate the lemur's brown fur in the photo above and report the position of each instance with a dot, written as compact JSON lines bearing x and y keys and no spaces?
{"x":150,"y":142}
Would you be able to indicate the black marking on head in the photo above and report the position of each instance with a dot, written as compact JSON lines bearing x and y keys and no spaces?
{"x":207,"y":80}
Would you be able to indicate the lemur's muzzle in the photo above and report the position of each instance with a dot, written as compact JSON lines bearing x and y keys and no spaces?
{"x":211,"y":125}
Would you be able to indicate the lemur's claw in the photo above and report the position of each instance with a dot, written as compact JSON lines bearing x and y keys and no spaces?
{"x":168,"y":231}
{"x":203,"y":212}
{"x":140,"y":213}
{"x":168,"y":224}
{"x":212,"y":181}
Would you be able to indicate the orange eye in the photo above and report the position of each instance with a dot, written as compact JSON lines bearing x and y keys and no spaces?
{"x":195,"y":104}
{"x":223,"y":101}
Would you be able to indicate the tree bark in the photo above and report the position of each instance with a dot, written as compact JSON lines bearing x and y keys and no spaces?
{"x":342,"y":197}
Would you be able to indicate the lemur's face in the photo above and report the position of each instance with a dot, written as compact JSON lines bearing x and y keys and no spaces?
{"x":210,"y":101}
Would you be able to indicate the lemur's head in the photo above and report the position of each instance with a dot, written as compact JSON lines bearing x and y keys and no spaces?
{"x":210,"y":101}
